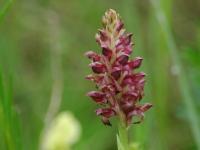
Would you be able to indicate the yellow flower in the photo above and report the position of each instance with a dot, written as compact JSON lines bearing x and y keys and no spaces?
{"x":63,"y":132}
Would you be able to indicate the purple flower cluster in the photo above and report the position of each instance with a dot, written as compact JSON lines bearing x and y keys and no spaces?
{"x":119,"y":87}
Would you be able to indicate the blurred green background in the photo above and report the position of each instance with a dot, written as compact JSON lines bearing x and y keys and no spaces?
{"x":42,"y":46}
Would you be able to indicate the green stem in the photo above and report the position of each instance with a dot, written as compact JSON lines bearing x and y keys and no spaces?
{"x":122,"y":137}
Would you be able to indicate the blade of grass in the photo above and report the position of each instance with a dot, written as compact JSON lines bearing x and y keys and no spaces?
{"x":9,"y":120}
{"x":182,"y":81}
{"x":56,"y":65}
{"x":5,"y":9}
{"x":56,"y":70}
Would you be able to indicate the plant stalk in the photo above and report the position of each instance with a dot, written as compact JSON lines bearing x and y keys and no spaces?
{"x":122,"y":137}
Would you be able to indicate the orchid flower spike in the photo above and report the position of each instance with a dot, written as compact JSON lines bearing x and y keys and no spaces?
{"x":119,"y":87}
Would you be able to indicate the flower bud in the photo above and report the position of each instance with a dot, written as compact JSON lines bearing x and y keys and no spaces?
{"x":106,"y":112}
{"x":146,"y":107}
{"x":98,"y":67}
{"x":107,"y":52}
{"x":93,"y":56}
{"x":116,"y":72}
{"x":120,"y":25}
{"x":98,"y":97}
{"x":123,"y":59}
{"x":135,"y":63}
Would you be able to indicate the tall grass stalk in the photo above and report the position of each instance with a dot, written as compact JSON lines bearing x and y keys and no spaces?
{"x":182,"y":81}
{"x":56,"y":70}
{"x":9,"y":121}
{"x":56,"y":67}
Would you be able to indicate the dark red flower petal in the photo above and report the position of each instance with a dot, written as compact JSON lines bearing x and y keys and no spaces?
{"x":107,"y":52}
{"x":127,"y":80}
{"x":94,"y":78}
{"x":127,"y":50}
{"x":136,"y":112}
{"x":127,"y":40}
{"x":137,"y":80}
{"x":93,"y":56}
{"x":103,"y":35}
{"x":134,"y":79}
{"x":98,"y":67}
{"x":141,"y":82}
{"x":139,"y":76}
{"x":127,"y":105}
{"x":146,"y":107}
{"x":109,"y":88}
{"x":106,"y":112}
{"x":130,"y":96}
{"x":123,"y":59}
{"x":97,"y":96}
{"x":116,"y":72}
{"x":135,"y":63}
{"x":120,"y":25}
